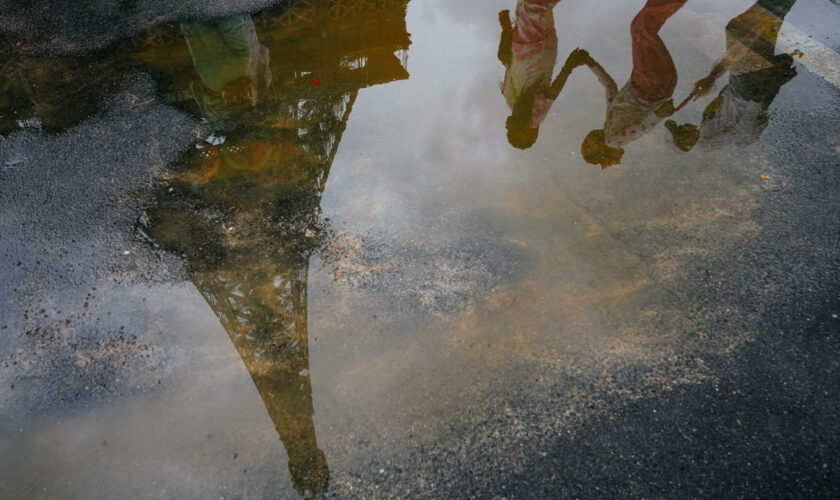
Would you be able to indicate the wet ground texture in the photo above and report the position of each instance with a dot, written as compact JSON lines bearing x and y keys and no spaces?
{"x":420,"y":248}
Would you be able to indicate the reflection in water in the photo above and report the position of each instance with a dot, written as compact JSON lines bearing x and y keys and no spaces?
{"x":246,"y":212}
{"x":756,"y":75}
{"x":528,"y":49}
{"x":646,"y":98}
{"x":231,"y":64}
{"x":739,"y":114}
{"x":50,"y":93}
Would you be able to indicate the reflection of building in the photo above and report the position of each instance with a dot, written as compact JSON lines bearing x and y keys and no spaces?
{"x":246,"y":213}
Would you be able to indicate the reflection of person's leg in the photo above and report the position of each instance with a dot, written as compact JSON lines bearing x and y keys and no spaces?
{"x":758,"y":27}
{"x":239,"y":35}
{"x":778,"y":7}
{"x":534,"y":20}
{"x":654,"y":76}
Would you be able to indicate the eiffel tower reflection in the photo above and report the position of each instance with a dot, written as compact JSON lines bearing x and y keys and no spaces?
{"x":246,"y":211}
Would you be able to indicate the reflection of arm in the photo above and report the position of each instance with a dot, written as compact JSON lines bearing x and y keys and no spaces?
{"x":580,"y":57}
{"x":733,"y":54}
{"x":560,"y":82}
{"x":606,"y":80}
{"x":505,"y":54}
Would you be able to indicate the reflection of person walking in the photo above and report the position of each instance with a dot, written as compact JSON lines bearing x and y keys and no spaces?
{"x":529,"y":52}
{"x":654,"y":76}
{"x":740,"y":113}
{"x":646,"y":98}
{"x":231,"y":64}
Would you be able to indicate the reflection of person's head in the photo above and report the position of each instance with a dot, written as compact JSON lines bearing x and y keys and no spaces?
{"x":309,"y":471}
{"x":685,"y":136}
{"x":520,"y":132}
{"x":235,"y":98}
{"x":521,"y":135}
{"x":596,"y":151}
{"x":240,"y":92}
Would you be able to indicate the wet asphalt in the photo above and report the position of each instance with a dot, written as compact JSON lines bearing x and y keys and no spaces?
{"x":766,"y":427}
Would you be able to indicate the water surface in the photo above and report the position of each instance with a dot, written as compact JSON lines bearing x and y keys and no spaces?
{"x":389,"y":247}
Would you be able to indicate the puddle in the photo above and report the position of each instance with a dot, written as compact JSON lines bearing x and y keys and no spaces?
{"x":366,"y":247}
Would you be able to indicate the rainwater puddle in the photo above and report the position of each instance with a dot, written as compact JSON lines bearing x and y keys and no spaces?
{"x":377,"y":247}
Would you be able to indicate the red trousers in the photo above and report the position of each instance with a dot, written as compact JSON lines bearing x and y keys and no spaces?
{"x":654,"y":76}
{"x":533,"y":20}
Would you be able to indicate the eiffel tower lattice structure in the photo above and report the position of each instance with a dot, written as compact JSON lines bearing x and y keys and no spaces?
{"x":322,"y":55}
